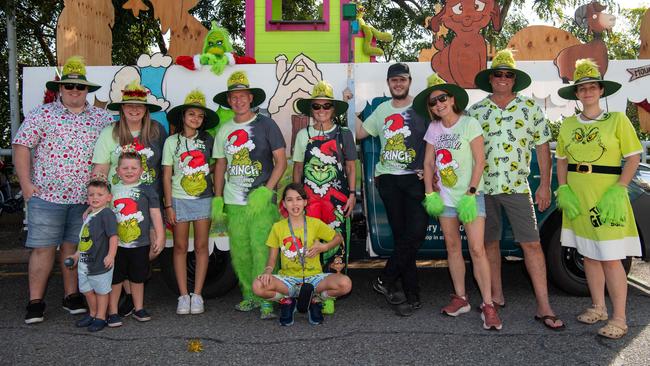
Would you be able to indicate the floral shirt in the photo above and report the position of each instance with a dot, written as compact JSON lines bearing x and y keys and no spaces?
{"x":510,"y":134}
{"x":62,"y":144}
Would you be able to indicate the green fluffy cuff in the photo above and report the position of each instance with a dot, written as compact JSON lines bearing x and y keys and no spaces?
{"x":259,"y":199}
{"x":613,"y":205}
{"x":567,"y":201}
{"x":218,"y":215}
{"x":433,"y":204}
{"x":467,"y":208}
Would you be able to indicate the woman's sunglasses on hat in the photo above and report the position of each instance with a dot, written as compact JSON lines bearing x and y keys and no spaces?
{"x":440,"y":98}
{"x":71,"y":86}
{"x":317,"y":107}
{"x":506,"y":74}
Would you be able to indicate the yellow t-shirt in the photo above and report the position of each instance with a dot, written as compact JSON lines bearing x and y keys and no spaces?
{"x":280,"y":237}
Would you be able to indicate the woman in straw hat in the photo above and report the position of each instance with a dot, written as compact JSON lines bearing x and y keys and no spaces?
{"x":324,"y":160}
{"x":454,"y":153}
{"x":187,"y":186}
{"x":597,"y":217}
{"x":133,"y":131}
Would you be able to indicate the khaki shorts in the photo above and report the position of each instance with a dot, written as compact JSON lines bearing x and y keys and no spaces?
{"x":521,"y":215}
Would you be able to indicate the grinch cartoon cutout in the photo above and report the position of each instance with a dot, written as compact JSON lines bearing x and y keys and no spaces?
{"x":195,"y":170}
{"x":447,"y":168}
{"x":585,"y":145}
{"x":396,"y":133}
{"x":239,"y":145}
{"x":128,"y":219}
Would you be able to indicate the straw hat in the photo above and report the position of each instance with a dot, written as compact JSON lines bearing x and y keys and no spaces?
{"x":322,"y":90}
{"x":238,"y":80}
{"x":435,"y":82}
{"x":504,"y":60}
{"x":73,"y":72}
{"x":134,"y":93}
{"x":195,"y":99}
{"x":587,"y":72}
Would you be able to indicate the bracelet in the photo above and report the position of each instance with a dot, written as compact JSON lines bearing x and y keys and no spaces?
{"x":166,"y":207}
{"x":268,"y":267}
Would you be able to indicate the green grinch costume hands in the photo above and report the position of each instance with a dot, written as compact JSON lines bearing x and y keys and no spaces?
{"x":433,"y":204}
{"x":567,"y":201}
{"x":218,"y":216}
{"x":259,"y":199}
{"x":467,"y":208}
{"x":612,"y":206}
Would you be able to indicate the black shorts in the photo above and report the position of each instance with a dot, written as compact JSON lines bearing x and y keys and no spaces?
{"x":131,"y":264}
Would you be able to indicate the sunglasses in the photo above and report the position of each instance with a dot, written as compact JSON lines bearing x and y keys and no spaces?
{"x":506,"y":74}
{"x":440,"y":98}
{"x":326,"y":106}
{"x":73,"y":86}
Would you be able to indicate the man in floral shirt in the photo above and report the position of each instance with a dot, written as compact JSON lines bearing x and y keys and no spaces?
{"x":61,"y":135}
{"x":513,"y":125}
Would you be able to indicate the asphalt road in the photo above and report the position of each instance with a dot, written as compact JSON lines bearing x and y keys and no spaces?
{"x":363,"y":331}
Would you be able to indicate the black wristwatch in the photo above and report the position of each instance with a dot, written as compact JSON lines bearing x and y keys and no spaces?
{"x":472,"y":190}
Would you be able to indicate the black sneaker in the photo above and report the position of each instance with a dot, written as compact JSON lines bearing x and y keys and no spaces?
{"x":142,"y":315}
{"x":85,"y":321}
{"x":97,"y":325}
{"x":316,"y":313}
{"x":392,"y":295}
{"x":75,"y":304}
{"x":287,"y":308}
{"x":409,"y":307}
{"x":126,"y":306}
{"x":35,"y":311}
{"x":114,"y":321}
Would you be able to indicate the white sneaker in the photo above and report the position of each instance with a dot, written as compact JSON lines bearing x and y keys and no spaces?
{"x":183,"y":307}
{"x":196,"y":306}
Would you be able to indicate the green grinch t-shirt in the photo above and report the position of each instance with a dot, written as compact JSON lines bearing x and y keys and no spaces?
{"x":190,"y":162}
{"x":454,"y":158}
{"x":400,"y":132}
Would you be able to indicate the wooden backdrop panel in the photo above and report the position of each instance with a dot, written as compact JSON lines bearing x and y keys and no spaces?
{"x":84,"y":29}
{"x":540,"y":42}
{"x":644,"y":53}
{"x":187,"y":33}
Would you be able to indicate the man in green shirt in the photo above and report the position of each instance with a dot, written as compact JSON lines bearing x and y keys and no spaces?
{"x":513,"y":125}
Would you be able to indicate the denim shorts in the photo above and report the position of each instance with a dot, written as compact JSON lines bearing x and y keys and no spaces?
{"x":50,"y":224}
{"x":293,"y":283}
{"x":480,"y":205}
{"x":100,"y":284}
{"x":192,"y":210}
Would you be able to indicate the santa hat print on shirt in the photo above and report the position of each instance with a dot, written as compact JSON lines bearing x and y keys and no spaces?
{"x":444,"y":159}
{"x":127,"y":209}
{"x":327,"y":153}
{"x":193,"y":162}
{"x":394,"y":125}
{"x":238,"y":140}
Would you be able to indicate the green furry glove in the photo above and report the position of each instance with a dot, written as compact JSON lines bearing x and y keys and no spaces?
{"x":467,"y":208}
{"x":218,"y":215}
{"x":259,"y":199}
{"x":613,"y":205}
{"x":567,"y":201}
{"x":433,"y":204}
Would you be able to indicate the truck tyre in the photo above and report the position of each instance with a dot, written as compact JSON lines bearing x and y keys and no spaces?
{"x":565,"y":265}
{"x":219,"y":280}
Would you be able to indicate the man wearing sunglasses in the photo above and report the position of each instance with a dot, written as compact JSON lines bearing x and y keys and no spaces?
{"x":513,"y":125}
{"x":401,"y":132}
{"x":61,"y":135}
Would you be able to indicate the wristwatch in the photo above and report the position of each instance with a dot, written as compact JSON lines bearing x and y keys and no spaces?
{"x":472,"y":190}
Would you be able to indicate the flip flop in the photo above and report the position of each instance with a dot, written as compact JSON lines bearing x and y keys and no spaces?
{"x":553,"y":318}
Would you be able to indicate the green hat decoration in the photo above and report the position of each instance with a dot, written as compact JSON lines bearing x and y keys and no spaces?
{"x":503,"y":60}
{"x":238,"y":80}
{"x":134,"y":93}
{"x":73,"y":72}
{"x":587,"y":72}
{"x":435,"y":82}
{"x":194,"y":99}
{"x":322,"y":90}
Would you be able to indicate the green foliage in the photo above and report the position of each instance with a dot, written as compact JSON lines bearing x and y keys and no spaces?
{"x":134,"y":36}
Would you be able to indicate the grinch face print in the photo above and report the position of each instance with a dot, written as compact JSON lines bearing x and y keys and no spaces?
{"x":128,"y":217}
{"x":195,"y":170}
{"x":585,"y":145}
{"x":148,"y":175}
{"x":291,"y":248}
{"x":447,"y":168}
{"x":85,"y":241}
{"x":321,"y":171}
{"x":242,"y":169}
{"x":395,"y":152}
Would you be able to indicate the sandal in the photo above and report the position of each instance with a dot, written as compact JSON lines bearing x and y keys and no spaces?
{"x":612,"y":330}
{"x":593,"y":315}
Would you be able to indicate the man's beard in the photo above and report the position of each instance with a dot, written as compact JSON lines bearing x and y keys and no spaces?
{"x":400,"y":96}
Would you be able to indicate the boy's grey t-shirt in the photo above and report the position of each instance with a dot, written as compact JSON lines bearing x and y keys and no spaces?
{"x":131,"y":204}
{"x":94,"y":241}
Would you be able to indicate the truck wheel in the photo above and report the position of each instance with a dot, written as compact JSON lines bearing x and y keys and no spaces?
{"x":219,"y":280}
{"x":565,"y":265}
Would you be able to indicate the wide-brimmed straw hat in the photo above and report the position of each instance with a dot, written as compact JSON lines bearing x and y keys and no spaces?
{"x":324,"y":91}
{"x":134,"y":93}
{"x":195,"y":99}
{"x":587,"y":72}
{"x":73,"y":72}
{"x":435,"y":82}
{"x":504,"y":60}
{"x":239,"y":81}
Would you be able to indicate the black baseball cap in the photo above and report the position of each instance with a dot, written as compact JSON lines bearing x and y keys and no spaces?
{"x":398,"y":69}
